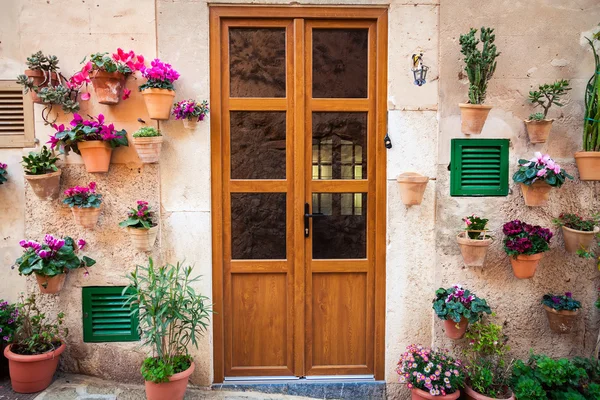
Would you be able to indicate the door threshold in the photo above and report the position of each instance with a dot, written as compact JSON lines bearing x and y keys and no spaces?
{"x":295,"y":379}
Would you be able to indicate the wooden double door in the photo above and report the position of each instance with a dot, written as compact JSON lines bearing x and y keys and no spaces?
{"x":298,"y":102}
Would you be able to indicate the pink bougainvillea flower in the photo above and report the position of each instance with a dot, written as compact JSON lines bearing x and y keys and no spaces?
{"x":126,"y":93}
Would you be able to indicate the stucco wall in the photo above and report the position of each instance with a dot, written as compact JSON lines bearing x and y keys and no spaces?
{"x":177,"y":31}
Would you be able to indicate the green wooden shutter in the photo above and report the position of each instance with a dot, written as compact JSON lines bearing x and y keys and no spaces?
{"x":479,"y":167}
{"x":106,"y":318}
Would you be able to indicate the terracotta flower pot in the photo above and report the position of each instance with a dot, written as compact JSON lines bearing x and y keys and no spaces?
{"x":473,"y":250}
{"x":158,"y":102}
{"x":148,"y":148}
{"x":39,"y":80}
{"x":524,"y":266}
{"x":143,"y":239}
{"x":575,"y":240}
{"x":172,"y":390}
{"x":588,"y":164}
{"x":96,"y":155}
{"x":52,"y":284}
{"x":473,"y":117}
{"x":412,"y":187}
{"x":30,"y":374}
{"x":470,"y":394}
{"x":108,"y":86}
{"x":46,"y":186}
{"x":561,"y":321}
{"x":537,"y":194}
{"x":190,"y":123}
{"x":452,"y":331}
{"x":538,"y":131}
{"x":86,"y":217}
{"x":418,"y":394}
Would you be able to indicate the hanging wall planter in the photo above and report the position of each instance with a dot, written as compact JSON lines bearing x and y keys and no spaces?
{"x":538,"y":131}
{"x":412,"y":187}
{"x":524,"y":266}
{"x":86,"y":217}
{"x":578,"y":240}
{"x":525,"y":245}
{"x":562,"y":311}
{"x":473,"y":117}
{"x":42,"y":174}
{"x":456,"y":318}
{"x":538,"y":125}
{"x":51,"y":284}
{"x":536,"y":194}
{"x":474,"y":250}
{"x":40,"y":80}
{"x":143,"y":239}
{"x":96,"y":155}
{"x":32,"y":373}
{"x":158,"y":102}
{"x":108,"y":86}
{"x":148,"y":144}
{"x":46,"y":186}
{"x":141,"y":226}
{"x":190,"y":112}
{"x":537,"y":177}
{"x":85,"y":204}
{"x":588,"y":164}
{"x":158,"y":91}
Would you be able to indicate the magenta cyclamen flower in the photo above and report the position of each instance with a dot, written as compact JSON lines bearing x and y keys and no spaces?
{"x":3,"y":166}
{"x":160,"y":71}
{"x":81,"y":244}
{"x":512,"y":228}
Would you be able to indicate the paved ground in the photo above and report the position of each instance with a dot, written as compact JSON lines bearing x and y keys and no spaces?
{"x":79,"y":387}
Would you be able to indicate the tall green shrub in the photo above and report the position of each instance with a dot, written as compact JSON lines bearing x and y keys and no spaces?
{"x":480,"y":65}
{"x":591,"y":124}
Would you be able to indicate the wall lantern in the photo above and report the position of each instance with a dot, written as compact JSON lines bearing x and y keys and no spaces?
{"x":418,"y":69}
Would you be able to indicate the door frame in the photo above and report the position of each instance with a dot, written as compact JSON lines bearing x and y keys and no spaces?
{"x":223,"y":12}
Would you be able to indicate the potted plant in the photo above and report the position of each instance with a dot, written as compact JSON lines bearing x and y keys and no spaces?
{"x":488,"y":375}
{"x":430,"y":373}
{"x":51,"y":260}
{"x":458,"y":307}
{"x":35,"y":350}
{"x":562,"y":311}
{"x":578,"y":233}
{"x":92,"y":139}
{"x":42,"y":174}
{"x":109,"y":73}
{"x":480,"y":66}
{"x":542,"y":377}
{"x":141,"y":226}
{"x":49,"y":87}
{"x":172,"y":316}
{"x":525,"y":244}
{"x":537,"y":177}
{"x":474,"y":241}
{"x":412,"y":187}
{"x":42,"y":72}
{"x":3,"y":168}
{"x":588,"y":160}
{"x":85,"y":204}
{"x":190,"y":112}
{"x":148,"y":143}
{"x":9,"y":314}
{"x":158,"y":91}
{"x":538,"y":127}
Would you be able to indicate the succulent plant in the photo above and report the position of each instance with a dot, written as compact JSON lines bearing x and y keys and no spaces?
{"x":40,"y":163}
{"x":548,"y":94}
{"x":480,"y":64}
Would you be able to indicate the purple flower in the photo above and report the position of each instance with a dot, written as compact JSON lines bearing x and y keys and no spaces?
{"x":44,"y":254}
{"x":6,"y":338}
{"x":555,"y":300}
{"x":81,"y":244}
{"x":10,"y":321}
{"x":569,"y":294}
{"x":512,"y":228}
{"x":0,"y":330}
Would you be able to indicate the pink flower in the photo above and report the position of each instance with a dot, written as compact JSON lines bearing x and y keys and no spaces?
{"x":85,"y":96}
{"x":542,"y":172}
{"x":126,"y":93}
{"x":81,"y":244}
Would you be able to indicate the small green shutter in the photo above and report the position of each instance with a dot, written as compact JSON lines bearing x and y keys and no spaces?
{"x":479,"y":167}
{"x":106,"y":318}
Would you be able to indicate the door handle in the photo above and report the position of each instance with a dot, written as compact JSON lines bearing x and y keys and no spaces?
{"x":307,"y":216}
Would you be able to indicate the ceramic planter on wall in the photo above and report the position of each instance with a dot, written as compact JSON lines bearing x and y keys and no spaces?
{"x":38,"y":79}
{"x":561,"y":321}
{"x":454,"y":332}
{"x":473,"y":117}
{"x":96,"y":155}
{"x":412,"y":187}
{"x":473,"y":250}
{"x":51,"y":284}
{"x":538,"y":131}
{"x":158,"y":102}
{"x":148,"y":148}
{"x":86,"y":217}
{"x":576,"y":240}
{"x":46,"y":186}
{"x":108,"y":86}
{"x":31,"y":374}
{"x":524,"y":266}
{"x":418,"y":394}
{"x":143,"y":239}
{"x":470,"y":394}
{"x":172,"y":390}
{"x":190,"y":123}
{"x":588,"y":164}
{"x":537,"y":194}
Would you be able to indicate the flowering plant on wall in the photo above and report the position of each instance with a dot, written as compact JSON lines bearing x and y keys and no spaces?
{"x":561,"y":302}
{"x":84,"y":197}
{"x":109,"y":73}
{"x":83,"y":130}
{"x":9,"y":315}
{"x":53,"y":256}
{"x":541,"y":168}
{"x":160,"y":75}
{"x":3,"y":168}
{"x":457,"y":303}
{"x":141,"y":217}
{"x":432,"y":371}
{"x":522,"y":238}
{"x":190,"y":109}
{"x":475,"y":226}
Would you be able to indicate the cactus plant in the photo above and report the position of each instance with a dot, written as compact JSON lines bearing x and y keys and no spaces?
{"x":480,"y":64}
{"x":591,"y":124}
